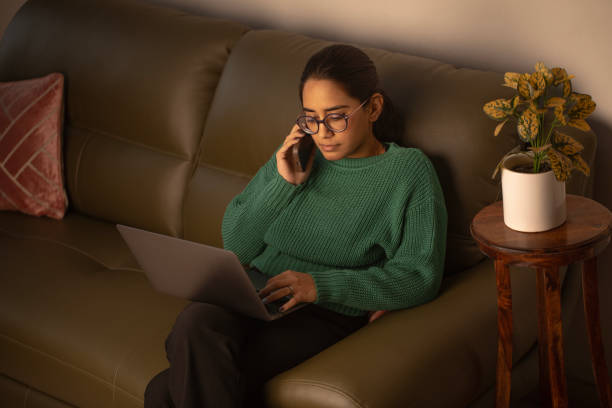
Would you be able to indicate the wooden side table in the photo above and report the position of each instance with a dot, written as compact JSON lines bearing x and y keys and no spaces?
{"x":584,"y":235}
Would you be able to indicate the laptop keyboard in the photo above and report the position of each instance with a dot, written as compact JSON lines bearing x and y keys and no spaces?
{"x":259,"y":281}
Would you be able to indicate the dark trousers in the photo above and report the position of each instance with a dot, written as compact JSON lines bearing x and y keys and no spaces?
{"x":221,"y":359}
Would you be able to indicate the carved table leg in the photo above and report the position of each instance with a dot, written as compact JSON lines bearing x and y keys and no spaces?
{"x":504,"y":334}
{"x":542,"y":339}
{"x":591,"y":313}
{"x":549,"y":295}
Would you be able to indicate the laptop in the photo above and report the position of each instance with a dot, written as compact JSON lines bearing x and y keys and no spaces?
{"x":201,"y":273}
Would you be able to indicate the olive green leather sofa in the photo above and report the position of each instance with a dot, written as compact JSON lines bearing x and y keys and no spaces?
{"x":167,"y":116}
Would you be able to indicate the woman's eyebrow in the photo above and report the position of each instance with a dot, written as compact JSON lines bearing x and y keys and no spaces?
{"x":328,"y":109}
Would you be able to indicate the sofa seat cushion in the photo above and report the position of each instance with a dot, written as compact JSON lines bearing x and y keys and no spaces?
{"x":93,"y":238}
{"x":78,"y":318}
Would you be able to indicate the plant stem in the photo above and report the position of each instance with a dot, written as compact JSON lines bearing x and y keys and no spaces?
{"x":536,"y":162}
{"x":552,"y":126}
{"x":538,"y":143}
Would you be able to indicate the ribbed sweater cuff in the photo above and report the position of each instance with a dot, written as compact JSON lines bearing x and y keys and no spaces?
{"x":327,"y":291}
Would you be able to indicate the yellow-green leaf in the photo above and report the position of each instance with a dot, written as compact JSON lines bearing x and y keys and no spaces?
{"x":548,"y":76}
{"x":499,"y":127}
{"x":579,"y":124}
{"x":583,"y":106}
{"x":587,"y":109}
{"x":523,"y":86}
{"x":574,"y":98}
{"x":515,"y":150}
{"x":538,"y":84}
{"x":516,"y":100}
{"x":511,"y":79}
{"x":560,"y":115}
{"x":567,"y":88}
{"x":528,"y":125}
{"x":554,"y":101}
{"x":559,"y":75}
{"x":539,"y":149}
{"x":561,"y":164}
{"x":498,"y":109}
{"x":534,"y":107}
{"x":584,"y":111}
{"x":580,"y":164}
{"x":566,"y":144}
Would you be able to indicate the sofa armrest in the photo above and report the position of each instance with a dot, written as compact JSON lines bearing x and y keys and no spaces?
{"x":445,"y":348}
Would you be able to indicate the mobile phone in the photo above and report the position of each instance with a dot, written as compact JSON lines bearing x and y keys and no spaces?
{"x":302,"y":151}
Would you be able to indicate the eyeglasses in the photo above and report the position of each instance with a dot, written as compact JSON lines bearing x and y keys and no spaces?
{"x":336,"y":122}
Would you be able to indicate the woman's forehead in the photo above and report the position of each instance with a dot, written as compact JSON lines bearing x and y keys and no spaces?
{"x":323,"y":94}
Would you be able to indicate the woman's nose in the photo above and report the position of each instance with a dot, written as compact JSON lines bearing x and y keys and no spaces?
{"x":324,"y":132}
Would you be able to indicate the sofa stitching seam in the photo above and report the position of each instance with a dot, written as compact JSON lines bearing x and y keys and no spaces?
{"x":60,"y":361}
{"x":319,"y":384}
{"x":226,"y":171}
{"x":76,"y":198}
{"x":125,"y":355}
{"x":99,"y":133}
{"x":74,"y":249}
{"x":25,"y":397}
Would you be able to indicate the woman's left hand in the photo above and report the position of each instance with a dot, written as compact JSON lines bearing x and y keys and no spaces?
{"x":299,"y":286}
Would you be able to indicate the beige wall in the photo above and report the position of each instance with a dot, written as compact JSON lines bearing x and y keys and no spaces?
{"x":485,"y":34}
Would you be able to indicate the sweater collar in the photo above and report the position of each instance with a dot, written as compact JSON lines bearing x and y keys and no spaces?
{"x":362,"y":161}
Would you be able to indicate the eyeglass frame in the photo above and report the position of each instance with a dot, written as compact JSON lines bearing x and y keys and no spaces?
{"x":345,"y":116}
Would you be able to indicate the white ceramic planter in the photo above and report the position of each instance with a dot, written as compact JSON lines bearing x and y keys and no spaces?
{"x":531,"y":202}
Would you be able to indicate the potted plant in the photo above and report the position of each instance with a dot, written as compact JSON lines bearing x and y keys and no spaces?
{"x":535,"y":171}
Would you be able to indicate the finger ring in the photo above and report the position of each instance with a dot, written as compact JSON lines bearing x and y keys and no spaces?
{"x":291,"y":289}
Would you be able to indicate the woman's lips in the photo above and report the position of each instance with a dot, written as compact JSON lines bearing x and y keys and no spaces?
{"x":329,"y":148}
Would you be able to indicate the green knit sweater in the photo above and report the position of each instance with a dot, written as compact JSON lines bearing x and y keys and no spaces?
{"x":371,"y":231}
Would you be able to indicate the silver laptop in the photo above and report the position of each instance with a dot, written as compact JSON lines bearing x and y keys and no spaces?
{"x":201,"y":273}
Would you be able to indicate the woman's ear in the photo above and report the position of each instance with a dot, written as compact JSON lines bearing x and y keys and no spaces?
{"x":376,"y":106}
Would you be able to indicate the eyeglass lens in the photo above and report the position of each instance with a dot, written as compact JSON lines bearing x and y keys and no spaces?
{"x":334,"y":122}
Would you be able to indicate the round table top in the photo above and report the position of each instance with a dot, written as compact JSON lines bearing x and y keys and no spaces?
{"x":587,"y":221}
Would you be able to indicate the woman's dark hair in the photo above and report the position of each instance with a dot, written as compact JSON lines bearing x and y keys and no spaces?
{"x":352,"y":69}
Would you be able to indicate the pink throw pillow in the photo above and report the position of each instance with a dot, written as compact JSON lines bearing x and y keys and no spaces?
{"x":31,"y":125}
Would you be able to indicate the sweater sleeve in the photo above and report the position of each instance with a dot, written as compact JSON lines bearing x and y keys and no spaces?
{"x":249,"y":214}
{"x":410,"y":277}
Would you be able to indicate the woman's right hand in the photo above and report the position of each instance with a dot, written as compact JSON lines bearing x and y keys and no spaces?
{"x":284,"y":158}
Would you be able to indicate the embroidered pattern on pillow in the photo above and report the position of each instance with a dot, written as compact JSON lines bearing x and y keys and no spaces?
{"x":31,"y":125}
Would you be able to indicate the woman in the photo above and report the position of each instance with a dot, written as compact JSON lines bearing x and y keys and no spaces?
{"x":362,"y":228}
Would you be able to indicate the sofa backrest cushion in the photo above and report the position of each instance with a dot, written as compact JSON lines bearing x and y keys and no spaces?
{"x":254,"y":109}
{"x":257,"y":103}
{"x":139,"y":82}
